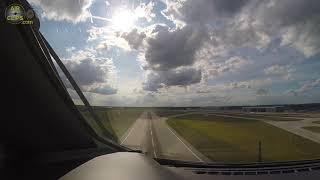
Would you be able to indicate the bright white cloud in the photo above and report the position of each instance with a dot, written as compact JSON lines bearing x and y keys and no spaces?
{"x":69,"y":10}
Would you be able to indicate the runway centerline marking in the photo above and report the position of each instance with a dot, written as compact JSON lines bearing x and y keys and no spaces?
{"x":186,"y":145}
{"x":153,"y":146}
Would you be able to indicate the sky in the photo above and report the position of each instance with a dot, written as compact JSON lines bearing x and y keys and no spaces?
{"x":187,"y":52}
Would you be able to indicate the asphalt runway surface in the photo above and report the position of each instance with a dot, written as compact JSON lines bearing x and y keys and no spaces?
{"x":152,"y":135}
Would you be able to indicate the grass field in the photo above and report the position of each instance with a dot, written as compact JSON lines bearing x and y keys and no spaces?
{"x":226,"y":139}
{"x":272,"y":117}
{"x":315,"y":129}
{"x":120,"y":119}
{"x":166,"y":112}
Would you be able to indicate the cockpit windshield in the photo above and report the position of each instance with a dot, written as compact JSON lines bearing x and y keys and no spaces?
{"x":195,"y":80}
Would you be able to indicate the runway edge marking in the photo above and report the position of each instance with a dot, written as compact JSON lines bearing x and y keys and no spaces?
{"x":186,"y":145}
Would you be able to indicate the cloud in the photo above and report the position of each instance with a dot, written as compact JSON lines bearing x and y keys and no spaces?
{"x":86,"y":71}
{"x":308,"y":86}
{"x":104,"y":89}
{"x":141,"y":10}
{"x":179,"y":77}
{"x":251,"y":84}
{"x":70,"y":49}
{"x":234,"y":63}
{"x":145,"y":11}
{"x":254,"y":23}
{"x":232,"y":47}
{"x":167,"y":54}
{"x":69,"y":10}
{"x":107,"y":37}
{"x":91,"y":73}
{"x":261,"y":92}
{"x":201,"y":11}
{"x":172,"y":49}
{"x":134,"y":38}
{"x":285,"y":71}
{"x":295,"y":21}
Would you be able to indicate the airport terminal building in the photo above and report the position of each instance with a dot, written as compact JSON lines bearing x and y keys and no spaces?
{"x":263,"y":109}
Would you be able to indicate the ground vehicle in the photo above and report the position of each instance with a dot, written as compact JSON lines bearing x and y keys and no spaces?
{"x":49,"y":137}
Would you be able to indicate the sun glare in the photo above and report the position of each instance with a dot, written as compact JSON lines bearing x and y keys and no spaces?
{"x":123,"y":20}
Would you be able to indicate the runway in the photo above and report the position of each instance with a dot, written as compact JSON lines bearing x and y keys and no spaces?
{"x":152,"y":135}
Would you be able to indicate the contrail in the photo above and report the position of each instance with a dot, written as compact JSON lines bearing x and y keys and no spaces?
{"x":101,"y":18}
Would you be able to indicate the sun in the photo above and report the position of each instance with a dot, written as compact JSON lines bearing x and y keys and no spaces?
{"x":123,"y":20}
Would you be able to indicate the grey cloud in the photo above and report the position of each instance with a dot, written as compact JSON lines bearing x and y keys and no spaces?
{"x":261,"y":92}
{"x":235,"y":85}
{"x":304,"y":88}
{"x":180,"y":77}
{"x":71,"y":10}
{"x":209,"y":100}
{"x":201,"y":11}
{"x":254,"y":22}
{"x":297,"y":21}
{"x":86,"y":72}
{"x":203,"y":91}
{"x":172,"y":49}
{"x":134,"y":38}
{"x":106,"y":90}
{"x":167,"y":53}
{"x":286,"y":12}
{"x":232,"y":64}
{"x":91,"y":75}
{"x":286,"y":72}
{"x":276,"y":70}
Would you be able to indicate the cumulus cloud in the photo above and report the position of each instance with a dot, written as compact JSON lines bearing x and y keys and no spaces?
{"x":167,"y":54}
{"x":233,"y":63}
{"x":295,"y":21}
{"x":169,"y":49}
{"x":180,"y":77}
{"x":86,"y":71}
{"x":104,"y":89}
{"x":261,"y":92}
{"x":251,"y":84}
{"x":285,"y":71}
{"x":213,"y":41}
{"x":253,"y":23}
{"x":208,"y":29}
{"x":107,"y":37}
{"x":145,"y":11}
{"x":308,"y":86}
{"x":70,"y":10}
{"x":201,"y":11}
{"x":92,"y":74}
{"x":134,"y":38}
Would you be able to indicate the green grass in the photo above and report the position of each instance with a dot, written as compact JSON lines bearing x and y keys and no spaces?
{"x":235,"y":140}
{"x":315,"y":129}
{"x":272,"y":117}
{"x":116,"y":120}
{"x":122,"y":118}
{"x":169,"y":113}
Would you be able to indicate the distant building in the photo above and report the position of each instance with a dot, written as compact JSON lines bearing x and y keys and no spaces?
{"x":263,"y":109}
